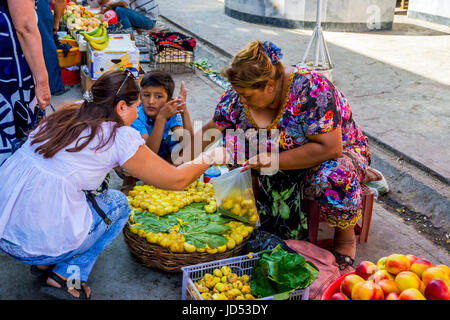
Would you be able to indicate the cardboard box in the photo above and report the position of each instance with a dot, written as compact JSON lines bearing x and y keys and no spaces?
{"x":86,"y":81}
{"x":121,"y":53}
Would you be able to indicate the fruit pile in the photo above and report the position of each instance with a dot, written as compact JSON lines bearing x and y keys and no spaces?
{"x":240,"y":206}
{"x":223,"y":284}
{"x":183,"y":221}
{"x":162,"y":202}
{"x":98,"y":39}
{"x":396,"y":277}
{"x":78,"y":17}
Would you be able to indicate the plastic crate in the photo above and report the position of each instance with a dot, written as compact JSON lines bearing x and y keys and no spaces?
{"x":240,"y":265}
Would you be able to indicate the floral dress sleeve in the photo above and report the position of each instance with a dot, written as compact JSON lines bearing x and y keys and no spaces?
{"x":322,"y":112}
{"x":227,"y":110}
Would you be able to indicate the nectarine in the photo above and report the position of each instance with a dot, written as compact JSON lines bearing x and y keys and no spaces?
{"x":348,"y":282}
{"x":369,"y":290}
{"x":406,"y":280}
{"x":411,"y":294}
{"x":396,"y":263}
{"x":366,"y":269}
{"x":419,"y":266}
{"x":434,"y":273}
{"x":437,"y":289}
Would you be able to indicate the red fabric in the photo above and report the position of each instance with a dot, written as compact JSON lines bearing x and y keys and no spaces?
{"x":322,"y":259}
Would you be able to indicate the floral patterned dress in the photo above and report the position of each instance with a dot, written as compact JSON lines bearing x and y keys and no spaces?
{"x":313,"y":105}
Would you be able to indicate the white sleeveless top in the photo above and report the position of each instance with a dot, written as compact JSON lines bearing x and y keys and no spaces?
{"x":42,"y":206}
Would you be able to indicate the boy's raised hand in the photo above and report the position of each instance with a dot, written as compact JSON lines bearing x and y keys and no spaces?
{"x":171,"y":108}
{"x":182,"y":96}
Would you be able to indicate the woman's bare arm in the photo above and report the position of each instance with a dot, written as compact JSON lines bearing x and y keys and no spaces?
{"x":23,"y":16}
{"x":153,"y":170}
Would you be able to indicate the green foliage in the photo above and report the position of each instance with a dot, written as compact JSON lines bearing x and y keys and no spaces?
{"x":278,"y":273}
{"x":198,"y":227}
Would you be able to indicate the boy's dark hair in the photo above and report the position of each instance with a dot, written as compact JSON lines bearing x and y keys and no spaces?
{"x":159,"y":78}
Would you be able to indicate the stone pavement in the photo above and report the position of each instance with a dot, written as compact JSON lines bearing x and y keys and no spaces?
{"x":380,"y":72}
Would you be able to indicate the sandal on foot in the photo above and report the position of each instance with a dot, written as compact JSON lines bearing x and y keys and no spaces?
{"x":343,"y":260}
{"x":62,"y":293}
{"x":41,"y":274}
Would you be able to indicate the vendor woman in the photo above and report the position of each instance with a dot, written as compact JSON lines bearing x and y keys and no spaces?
{"x":323,"y":154}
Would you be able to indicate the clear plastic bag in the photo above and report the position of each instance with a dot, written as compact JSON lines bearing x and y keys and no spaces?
{"x":234,"y":196}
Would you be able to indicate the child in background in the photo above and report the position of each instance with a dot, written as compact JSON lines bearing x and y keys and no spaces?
{"x":159,"y":116}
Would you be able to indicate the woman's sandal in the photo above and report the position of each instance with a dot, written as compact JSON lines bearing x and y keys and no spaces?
{"x":41,"y":274}
{"x":341,"y":259}
{"x":62,"y":293}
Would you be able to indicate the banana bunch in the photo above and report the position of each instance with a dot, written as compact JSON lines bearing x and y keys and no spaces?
{"x":98,"y":39}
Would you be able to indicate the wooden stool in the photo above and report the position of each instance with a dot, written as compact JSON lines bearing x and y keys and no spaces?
{"x":362,"y":231}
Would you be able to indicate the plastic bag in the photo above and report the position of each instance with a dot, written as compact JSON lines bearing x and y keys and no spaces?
{"x":234,"y":196}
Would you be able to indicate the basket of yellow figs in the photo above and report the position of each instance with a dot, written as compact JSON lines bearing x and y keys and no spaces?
{"x":172,"y":229}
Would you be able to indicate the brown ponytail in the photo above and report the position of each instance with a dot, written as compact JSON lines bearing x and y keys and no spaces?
{"x":65,"y":125}
{"x":252,"y":68}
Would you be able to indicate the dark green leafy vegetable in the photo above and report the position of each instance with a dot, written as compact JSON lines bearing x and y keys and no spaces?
{"x":278,"y":273}
{"x":198,"y":227}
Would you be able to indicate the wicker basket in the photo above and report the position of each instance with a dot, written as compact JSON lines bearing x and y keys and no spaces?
{"x":155,"y":256}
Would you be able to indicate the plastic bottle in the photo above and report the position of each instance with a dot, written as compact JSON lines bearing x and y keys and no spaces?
{"x":211,"y":173}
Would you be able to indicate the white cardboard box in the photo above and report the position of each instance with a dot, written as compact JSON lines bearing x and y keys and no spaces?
{"x":120,"y":53}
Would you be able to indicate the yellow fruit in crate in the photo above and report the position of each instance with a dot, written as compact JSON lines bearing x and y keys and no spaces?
{"x":224,"y":279}
{"x":245,"y":278}
{"x":220,"y":287}
{"x":246,"y":289}
{"x":226,"y":270}
{"x":232,"y":277}
{"x":238,"y":284}
{"x":248,"y":296}
{"x":219,"y":296}
{"x":201,"y":250}
{"x":217,"y":273}
{"x":240,"y":297}
{"x":206,"y":295}
{"x":189,"y":247}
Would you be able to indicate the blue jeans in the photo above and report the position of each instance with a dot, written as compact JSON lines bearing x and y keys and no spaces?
{"x":115,"y":205}
{"x":130,"y":18}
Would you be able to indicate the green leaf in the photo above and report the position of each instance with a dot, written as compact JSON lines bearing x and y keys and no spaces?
{"x":275,"y":208}
{"x":285,"y":211}
{"x":287,"y":193}
{"x":276,"y":195}
{"x":278,"y":273}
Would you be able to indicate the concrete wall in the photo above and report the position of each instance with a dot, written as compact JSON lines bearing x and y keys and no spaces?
{"x":437,"y":11}
{"x":337,"y":15}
